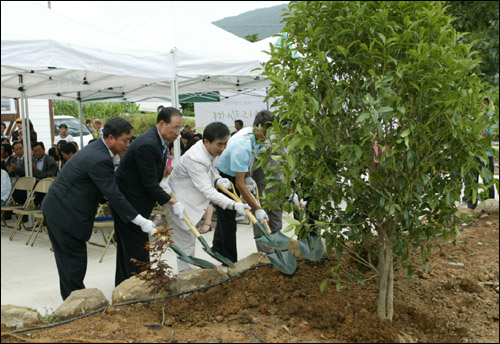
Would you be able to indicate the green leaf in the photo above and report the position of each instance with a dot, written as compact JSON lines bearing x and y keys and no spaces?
{"x":291,"y":220}
{"x":323,"y":285}
{"x":405,"y":133}
{"x":382,"y":37}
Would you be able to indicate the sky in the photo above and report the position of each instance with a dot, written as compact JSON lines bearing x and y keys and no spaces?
{"x":94,"y":12}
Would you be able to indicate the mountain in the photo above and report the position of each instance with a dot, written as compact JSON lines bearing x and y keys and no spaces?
{"x":263,"y":21}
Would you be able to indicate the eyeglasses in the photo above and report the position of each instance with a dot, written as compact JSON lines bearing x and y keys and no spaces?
{"x":178,"y":130}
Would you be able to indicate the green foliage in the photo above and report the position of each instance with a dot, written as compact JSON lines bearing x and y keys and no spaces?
{"x":140,"y":121}
{"x":252,"y":37}
{"x":385,"y":109}
{"x":95,"y":110}
{"x":479,"y":19}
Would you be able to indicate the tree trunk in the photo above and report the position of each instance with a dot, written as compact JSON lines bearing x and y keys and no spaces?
{"x":385,"y":308}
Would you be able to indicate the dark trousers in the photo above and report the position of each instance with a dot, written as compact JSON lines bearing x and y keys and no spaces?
{"x":71,"y":258}
{"x":224,"y":241}
{"x":491,"y":190}
{"x":131,"y":243}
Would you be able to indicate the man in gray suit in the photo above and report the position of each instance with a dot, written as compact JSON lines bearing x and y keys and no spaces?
{"x":70,"y":206}
{"x":44,"y":166}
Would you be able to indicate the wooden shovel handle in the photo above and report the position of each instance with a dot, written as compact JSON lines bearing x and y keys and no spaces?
{"x":237,"y":199}
{"x":186,"y":219}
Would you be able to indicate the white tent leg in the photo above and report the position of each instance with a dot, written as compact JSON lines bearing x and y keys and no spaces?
{"x":80,"y":116}
{"x":175,"y":104}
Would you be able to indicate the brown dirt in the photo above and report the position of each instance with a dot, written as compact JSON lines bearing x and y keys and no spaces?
{"x":453,"y":303}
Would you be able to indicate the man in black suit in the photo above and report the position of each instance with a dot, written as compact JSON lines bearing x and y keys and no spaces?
{"x":138,"y":177}
{"x":70,"y":206}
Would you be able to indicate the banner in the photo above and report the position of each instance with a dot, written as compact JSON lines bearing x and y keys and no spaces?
{"x":228,"y":110}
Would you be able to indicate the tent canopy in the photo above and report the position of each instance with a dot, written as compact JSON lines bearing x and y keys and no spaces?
{"x":58,"y":57}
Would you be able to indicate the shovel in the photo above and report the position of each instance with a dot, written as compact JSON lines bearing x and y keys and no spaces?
{"x":275,"y":240}
{"x":192,"y":260}
{"x":284,"y":261}
{"x":206,"y":247}
{"x":311,"y":246}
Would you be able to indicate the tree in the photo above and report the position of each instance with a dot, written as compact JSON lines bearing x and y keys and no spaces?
{"x":252,"y":37}
{"x":385,"y":116}
{"x":480,"y":20}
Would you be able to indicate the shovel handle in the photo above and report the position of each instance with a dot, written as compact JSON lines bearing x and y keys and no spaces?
{"x":247,"y":211}
{"x":188,"y":222}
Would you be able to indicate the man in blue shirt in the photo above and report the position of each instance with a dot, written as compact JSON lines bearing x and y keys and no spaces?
{"x":234,"y":164}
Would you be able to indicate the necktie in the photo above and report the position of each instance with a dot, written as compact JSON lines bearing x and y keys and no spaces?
{"x":19,"y":163}
{"x":164,"y":157}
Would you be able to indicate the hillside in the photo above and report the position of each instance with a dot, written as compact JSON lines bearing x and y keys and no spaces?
{"x":263,"y":21}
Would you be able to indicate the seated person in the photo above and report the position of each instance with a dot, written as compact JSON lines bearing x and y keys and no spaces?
{"x":67,"y":150}
{"x":44,"y":166}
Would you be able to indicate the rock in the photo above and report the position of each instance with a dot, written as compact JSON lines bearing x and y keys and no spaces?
{"x":131,"y":289}
{"x":461,"y":265}
{"x":81,"y":302}
{"x":491,"y":206}
{"x":18,"y":316}
{"x":252,"y":260}
{"x":470,"y":286}
{"x":194,"y":279}
{"x":293,"y":247}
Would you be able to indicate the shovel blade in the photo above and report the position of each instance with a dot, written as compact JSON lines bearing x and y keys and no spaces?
{"x":214,"y":254}
{"x":275,"y":240}
{"x":311,"y":247}
{"x":284,"y":261}
{"x":192,"y":260}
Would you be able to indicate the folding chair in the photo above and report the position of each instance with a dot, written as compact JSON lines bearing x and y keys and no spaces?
{"x":23,"y":183}
{"x":38,"y":227}
{"x":106,"y":224}
{"x":30,"y":209}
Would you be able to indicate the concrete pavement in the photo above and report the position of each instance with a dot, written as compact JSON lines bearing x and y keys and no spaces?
{"x":29,"y":275}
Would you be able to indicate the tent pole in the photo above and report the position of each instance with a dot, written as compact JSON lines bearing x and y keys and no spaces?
{"x":25,"y":120}
{"x":80,"y":116}
{"x":175,"y":104}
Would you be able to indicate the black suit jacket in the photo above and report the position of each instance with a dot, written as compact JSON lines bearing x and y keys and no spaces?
{"x":49,"y":168}
{"x":140,"y":172}
{"x":72,"y":200}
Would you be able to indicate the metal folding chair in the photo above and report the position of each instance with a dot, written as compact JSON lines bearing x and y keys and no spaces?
{"x":23,"y":183}
{"x":106,"y":225}
{"x":30,"y":209}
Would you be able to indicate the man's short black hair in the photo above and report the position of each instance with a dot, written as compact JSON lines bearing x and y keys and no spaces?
{"x":215,"y":130}
{"x":67,"y":148}
{"x":116,"y":126}
{"x":166,"y":114}
{"x":38,"y":144}
{"x":63,"y":125}
{"x":7,"y":147}
{"x":239,"y":121}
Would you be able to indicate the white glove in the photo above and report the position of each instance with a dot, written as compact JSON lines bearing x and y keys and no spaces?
{"x":224,"y":182}
{"x":297,"y":202}
{"x":240,"y":208}
{"x":178,"y":209}
{"x":251,"y":184}
{"x":261,"y":215}
{"x":164,"y":185}
{"x":147,"y":226}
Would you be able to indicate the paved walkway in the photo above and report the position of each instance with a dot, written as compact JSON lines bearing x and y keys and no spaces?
{"x":29,"y":274}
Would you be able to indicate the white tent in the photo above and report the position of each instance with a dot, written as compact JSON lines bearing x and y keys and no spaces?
{"x":201,"y":57}
{"x":45,"y":55}
{"x":57,"y":56}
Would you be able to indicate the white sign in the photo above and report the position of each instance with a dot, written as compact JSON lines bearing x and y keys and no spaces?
{"x":228,"y":110}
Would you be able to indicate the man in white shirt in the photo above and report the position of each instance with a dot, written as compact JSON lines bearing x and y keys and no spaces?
{"x":193,"y":182}
{"x":63,"y":135}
